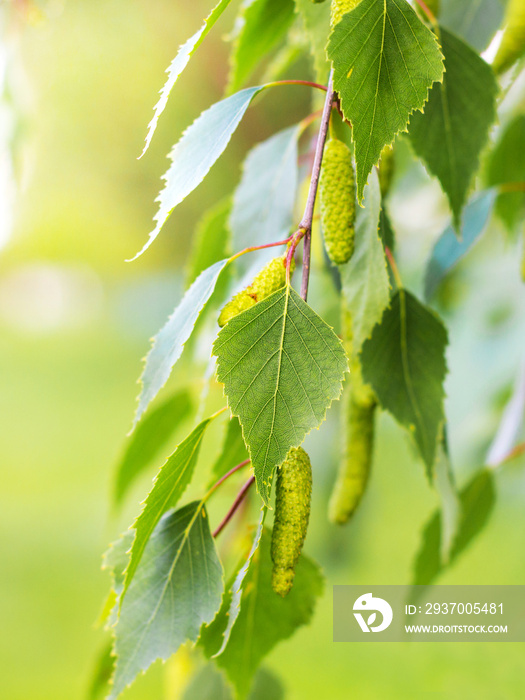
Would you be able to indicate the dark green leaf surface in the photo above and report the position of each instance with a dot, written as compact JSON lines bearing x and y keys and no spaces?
{"x":198,"y":149}
{"x":212,"y":240}
{"x":168,"y":344}
{"x":507,"y":165}
{"x":448,"y":250}
{"x":365,"y":278}
{"x":263,"y":202}
{"x":265,"y":618}
{"x":179,"y":63}
{"x":281,"y":366}
{"x":385,"y":61}
{"x":148,"y":439}
{"x":260,"y":26}
{"x":477,"y":501}
{"x":451,"y":133}
{"x":316,"y":20}
{"x":177,"y":588}
{"x":475,"y":21}
{"x":170,"y":483}
{"x":404,"y":362}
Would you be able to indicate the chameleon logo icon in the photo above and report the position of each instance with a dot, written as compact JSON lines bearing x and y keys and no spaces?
{"x":373,"y":605}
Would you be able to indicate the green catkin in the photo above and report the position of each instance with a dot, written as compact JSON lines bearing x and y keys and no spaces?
{"x":337,"y":196}
{"x":271,"y":278}
{"x":386,"y":169}
{"x":512,"y":45}
{"x":358,"y":430}
{"x":340,"y":8}
{"x":293,"y":492}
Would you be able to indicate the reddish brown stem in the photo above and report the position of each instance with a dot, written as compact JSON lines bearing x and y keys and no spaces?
{"x":306,"y":223}
{"x":235,"y":505}
{"x":427,"y":11}
{"x":228,"y":474}
{"x":394,"y":267}
{"x":300,"y":82}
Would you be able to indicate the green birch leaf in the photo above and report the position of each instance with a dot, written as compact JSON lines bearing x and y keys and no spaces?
{"x":233,"y":450}
{"x":281,"y":366}
{"x":239,"y":585}
{"x":169,"y":342}
{"x":365,"y":278}
{"x":475,"y":21}
{"x":212,"y":240}
{"x":169,"y":485}
{"x":178,"y":587}
{"x":506,"y":165}
{"x":404,"y":362}
{"x":210,"y":684}
{"x":316,"y":20}
{"x":386,"y":232}
{"x":450,"y":135}
{"x":448,"y":250}
{"x":197,"y":150}
{"x":265,"y":618}
{"x":179,"y":63}
{"x":260,"y":26}
{"x":263,"y":202}
{"x":384,"y":61}
{"x":148,"y":439}
{"x":477,"y":501}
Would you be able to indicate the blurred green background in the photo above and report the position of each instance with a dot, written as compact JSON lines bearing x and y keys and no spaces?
{"x":75,"y":321}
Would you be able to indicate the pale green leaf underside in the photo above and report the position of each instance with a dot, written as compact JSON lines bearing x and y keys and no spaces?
{"x":179,"y":63}
{"x":260,"y":26}
{"x":238,"y":585}
{"x":450,"y":135}
{"x":169,"y":485}
{"x":169,"y":342}
{"x":384,"y":61}
{"x":365,"y":278}
{"x":281,"y":366}
{"x":197,"y":150}
{"x":265,"y":618}
{"x":404,"y":362}
{"x":264,"y":200}
{"x":148,"y":439}
{"x":176,"y":589}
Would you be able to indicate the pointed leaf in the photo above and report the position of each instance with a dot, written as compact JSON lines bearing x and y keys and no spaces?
{"x":115,"y":560}
{"x":179,"y":63}
{"x":449,"y":498}
{"x":169,"y":342}
{"x":198,"y":149}
{"x":178,"y":587}
{"x":365,"y":278}
{"x":453,"y":130}
{"x":260,"y":26}
{"x":477,"y":500}
{"x":448,"y":250}
{"x":316,"y":19}
{"x":384,"y":61}
{"x":282,"y":366}
{"x":170,"y":483}
{"x":265,"y":618}
{"x":102,"y":673}
{"x":148,"y":439}
{"x":404,"y":362}
{"x":263,"y":202}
